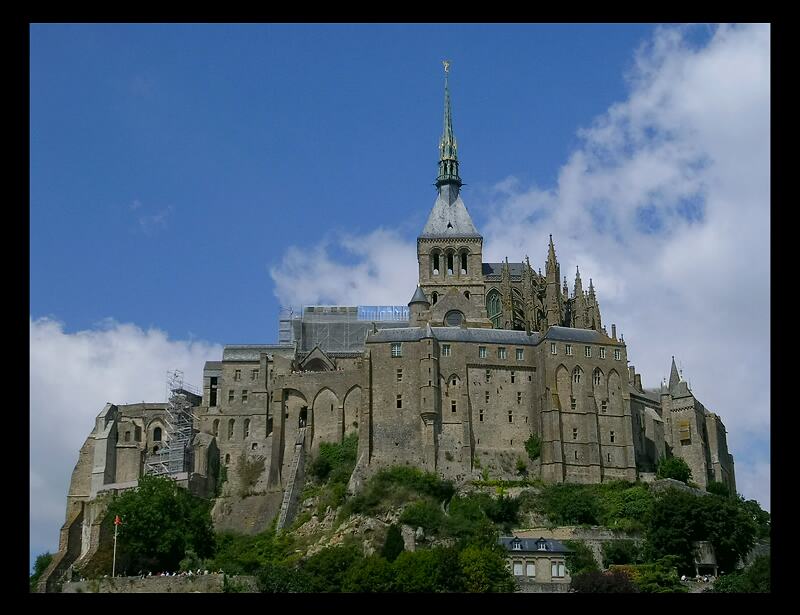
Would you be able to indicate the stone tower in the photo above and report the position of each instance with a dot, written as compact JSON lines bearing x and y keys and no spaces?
{"x":450,"y":249}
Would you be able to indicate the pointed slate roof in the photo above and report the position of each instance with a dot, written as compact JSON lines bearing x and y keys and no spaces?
{"x":674,"y":378}
{"x":419,"y":297}
{"x":449,"y":216}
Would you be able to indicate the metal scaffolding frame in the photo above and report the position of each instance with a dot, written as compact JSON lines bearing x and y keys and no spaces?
{"x":174,"y":455}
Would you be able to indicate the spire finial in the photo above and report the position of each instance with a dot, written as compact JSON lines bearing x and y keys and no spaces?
{"x":448,"y":148}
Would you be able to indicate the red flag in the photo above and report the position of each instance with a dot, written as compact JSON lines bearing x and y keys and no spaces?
{"x":117,"y":520}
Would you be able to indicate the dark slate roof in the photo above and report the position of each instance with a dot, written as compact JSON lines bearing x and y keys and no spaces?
{"x":531,"y":545}
{"x":486,"y":336}
{"x":571,"y":334}
{"x":213,"y":365}
{"x":419,"y":297}
{"x":400,"y":334}
{"x":493,"y":271}
{"x":449,"y":217}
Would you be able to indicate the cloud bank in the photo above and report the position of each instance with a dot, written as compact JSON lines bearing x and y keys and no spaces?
{"x":664,"y":204}
{"x":72,"y":376}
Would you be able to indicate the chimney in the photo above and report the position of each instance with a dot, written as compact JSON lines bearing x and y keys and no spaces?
{"x":631,"y":373}
{"x":613,"y":332}
{"x":638,"y":382}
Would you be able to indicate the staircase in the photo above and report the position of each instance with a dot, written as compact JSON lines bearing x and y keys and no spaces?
{"x":295,"y":483}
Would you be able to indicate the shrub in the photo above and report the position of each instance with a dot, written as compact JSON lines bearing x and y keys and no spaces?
{"x":39,"y":566}
{"x":581,"y":559}
{"x":522,"y":467}
{"x":280,"y":577}
{"x":394,"y":544}
{"x":621,"y":552}
{"x":568,"y":504}
{"x":611,"y":582}
{"x":424,"y":514}
{"x":533,"y":445}
{"x":675,"y":468}
{"x":369,"y":575}
{"x":336,"y":461}
{"x":327,"y":569}
{"x":718,"y":488}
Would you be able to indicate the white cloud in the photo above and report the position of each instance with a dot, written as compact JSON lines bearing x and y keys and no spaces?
{"x":72,"y":376}
{"x":664,"y":204}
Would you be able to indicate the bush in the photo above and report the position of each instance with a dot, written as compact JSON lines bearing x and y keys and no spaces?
{"x":753,"y":579}
{"x":656,"y":577}
{"x":569,"y":504}
{"x":281,"y":578}
{"x":522,"y":467}
{"x":484,"y":570}
{"x":621,"y":552}
{"x":327,"y":569}
{"x":336,"y":461}
{"x":533,"y":446}
{"x":369,"y":575}
{"x":675,"y":468}
{"x":424,"y":514}
{"x":581,"y":560}
{"x":397,"y":485}
{"x":611,"y":582}
{"x":718,"y":488}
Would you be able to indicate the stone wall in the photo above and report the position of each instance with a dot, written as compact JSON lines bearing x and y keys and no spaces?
{"x":205,"y":584}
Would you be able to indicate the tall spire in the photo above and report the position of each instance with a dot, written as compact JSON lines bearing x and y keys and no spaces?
{"x":674,"y":378}
{"x":448,"y":148}
{"x":578,"y":291}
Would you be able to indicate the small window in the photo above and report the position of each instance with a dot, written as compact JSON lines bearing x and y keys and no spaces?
{"x":254,"y":375}
{"x":480,"y":416}
{"x":237,"y":375}
{"x":604,"y":405}
{"x":573,"y":404}
{"x":487,"y":397}
{"x":541,"y":546}
{"x":157,"y":434}
{"x":602,"y":353}
{"x":231,"y":395}
{"x":230,"y":429}
{"x":397,"y":349}
{"x":481,"y":352}
{"x":516,"y":546}
{"x":227,"y":458}
{"x":453,"y":406}
{"x":587,"y":351}
{"x":453,"y":318}
{"x":127,"y":436}
{"x":568,"y":349}
{"x":399,"y":374}
{"x":501,"y":353}
{"x":445,"y":350}
{"x":576,"y":455}
{"x":530,"y":569}
{"x":247,"y":428}
{"x":454,"y":381}
{"x":512,"y":377}
{"x":553,"y":348}
{"x":575,"y":434}
{"x":609,"y":457}
{"x":399,"y":401}
{"x":488,"y":375}
{"x":612,"y":437}
{"x":520,"y":354}
{"x":510,"y":416}
{"x":137,"y":433}
{"x":617,"y":354}
{"x":244,"y":396}
{"x":557,"y":570}
{"x":215,"y":428}
{"x":435,"y":296}
{"x":519,"y":398}
{"x":517,"y":569}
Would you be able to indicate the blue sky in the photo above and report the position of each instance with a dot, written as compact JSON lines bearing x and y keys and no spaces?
{"x":187,"y":180}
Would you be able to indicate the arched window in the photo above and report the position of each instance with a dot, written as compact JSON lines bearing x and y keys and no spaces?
{"x":466,"y":294}
{"x":450,"y":263}
{"x":230,"y":429}
{"x":436,"y":262}
{"x":597,"y":376}
{"x":434,"y":298}
{"x":463,"y":262}
{"x":453,"y":318}
{"x":494,"y":308}
{"x":215,"y":428}
{"x":576,"y":375}
{"x":157,"y":434}
{"x":247,"y":428}
{"x":228,"y":458}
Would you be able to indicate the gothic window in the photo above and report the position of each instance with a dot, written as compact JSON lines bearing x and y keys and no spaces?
{"x":576,"y":375}
{"x":494,"y":308}
{"x":480,"y":416}
{"x":572,"y":403}
{"x":157,"y":434}
{"x":453,"y":318}
{"x":436,"y":263}
{"x":435,"y":298}
{"x":137,"y":433}
{"x":597,"y":377}
{"x":227,"y":458}
{"x":230,"y":429}
{"x":510,"y":416}
{"x":463,"y":262}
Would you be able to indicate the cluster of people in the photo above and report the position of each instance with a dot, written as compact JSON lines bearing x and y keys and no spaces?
{"x":698,"y":579}
{"x":185,"y":573}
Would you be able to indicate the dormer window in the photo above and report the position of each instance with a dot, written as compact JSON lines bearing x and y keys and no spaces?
{"x":541,"y":545}
{"x":516,"y":545}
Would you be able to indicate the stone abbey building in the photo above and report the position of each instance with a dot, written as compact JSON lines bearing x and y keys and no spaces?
{"x":484,"y":356}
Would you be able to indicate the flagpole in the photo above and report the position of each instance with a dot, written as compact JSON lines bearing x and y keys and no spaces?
{"x":114,"y":564}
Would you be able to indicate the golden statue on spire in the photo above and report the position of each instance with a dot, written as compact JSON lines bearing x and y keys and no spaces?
{"x":446,"y":64}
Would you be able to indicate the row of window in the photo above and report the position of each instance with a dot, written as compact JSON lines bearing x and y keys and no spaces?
{"x":237,"y":375}
{"x":557,"y":569}
{"x":232,"y":396}
{"x":450,"y":258}
{"x":231,"y":424}
{"x":611,"y":435}
{"x":587,"y":351}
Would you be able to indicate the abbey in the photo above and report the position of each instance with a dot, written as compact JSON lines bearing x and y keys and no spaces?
{"x":485,"y":356}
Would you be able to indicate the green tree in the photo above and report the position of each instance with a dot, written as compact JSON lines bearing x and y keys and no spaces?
{"x":581,"y":559}
{"x":335,"y":461}
{"x":160,"y":522}
{"x":327,"y":569}
{"x":421,"y":571}
{"x":567,"y":504}
{"x":484,"y":570}
{"x":621,"y":552}
{"x":674,"y":467}
{"x":533,"y":445}
{"x":596,"y":582}
{"x":281,"y":578}
{"x":760,"y":517}
{"x":753,"y":579}
{"x":394,"y":544}
{"x":369,"y":575}
{"x":718,"y":488}
{"x":39,"y":566}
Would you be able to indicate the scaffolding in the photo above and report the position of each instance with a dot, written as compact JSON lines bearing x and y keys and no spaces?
{"x":174,"y":455}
